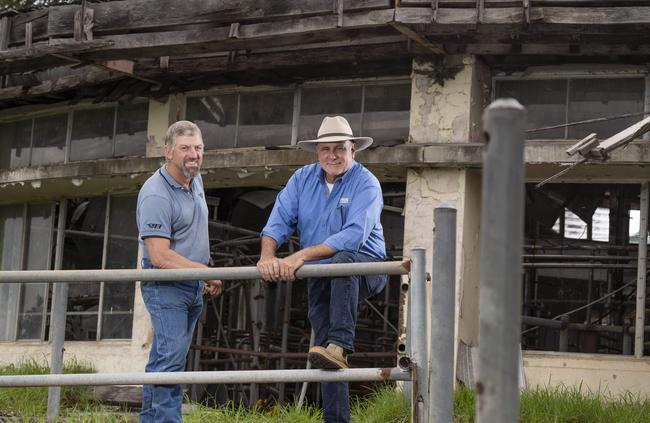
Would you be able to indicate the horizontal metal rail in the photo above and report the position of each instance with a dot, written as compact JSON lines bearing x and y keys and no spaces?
{"x":223,"y":273}
{"x":217,"y":377}
{"x":558,"y":324}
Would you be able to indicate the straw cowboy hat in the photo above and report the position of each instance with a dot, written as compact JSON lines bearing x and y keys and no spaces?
{"x":335,"y":129}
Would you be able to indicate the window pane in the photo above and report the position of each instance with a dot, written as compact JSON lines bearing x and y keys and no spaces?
{"x":81,"y":327}
{"x":265,"y":119}
{"x":600,"y":225}
{"x":92,"y":132}
{"x":11,"y":245}
{"x":131,"y":129}
{"x":14,"y":144}
{"x":83,"y":250}
{"x":316,"y":103}
{"x":597,"y":98}
{"x":33,"y":298}
{"x":386,"y":113}
{"x":544,"y":101}
{"x":122,"y":254}
{"x":49,"y":139}
{"x":216,"y":115}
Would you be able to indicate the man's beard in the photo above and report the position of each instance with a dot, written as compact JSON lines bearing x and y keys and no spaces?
{"x":190,"y":173}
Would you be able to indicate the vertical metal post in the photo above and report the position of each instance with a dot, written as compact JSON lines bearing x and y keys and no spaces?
{"x":641,"y":271}
{"x":59,"y":307}
{"x":418,"y":330}
{"x":564,"y":334}
{"x":286,"y":316}
{"x":441,"y":370}
{"x":502,"y":225}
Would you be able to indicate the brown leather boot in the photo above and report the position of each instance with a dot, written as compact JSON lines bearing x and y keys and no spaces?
{"x":331,"y":358}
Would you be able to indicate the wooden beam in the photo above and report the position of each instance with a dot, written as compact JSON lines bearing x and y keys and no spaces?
{"x":4,"y":33}
{"x":125,"y":67}
{"x":159,"y":15}
{"x":250,"y":36}
{"x":413,"y":35}
{"x":598,"y":16}
{"x":90,"y":77}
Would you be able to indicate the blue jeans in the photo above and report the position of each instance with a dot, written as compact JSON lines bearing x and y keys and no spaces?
{"x":175,"y":308}
{"x":333,"y":304}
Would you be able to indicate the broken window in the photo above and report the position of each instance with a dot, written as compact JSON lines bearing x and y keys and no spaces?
{"x":557,"y":102}
{"x":114,"y":131}
{"x":216,"y":115}
{"x":269,"y":118}
{"x":92,"y":241}
{"x":580,"y":260}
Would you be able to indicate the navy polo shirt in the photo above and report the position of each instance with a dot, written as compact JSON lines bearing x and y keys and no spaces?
{"x":167,"y":210}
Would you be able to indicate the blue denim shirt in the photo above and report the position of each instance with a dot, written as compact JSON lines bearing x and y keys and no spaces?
{"x":347,"y":219}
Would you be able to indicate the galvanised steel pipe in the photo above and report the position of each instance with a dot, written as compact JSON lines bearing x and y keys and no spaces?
{"x":223,"y":273}
{"x":218,"y":377}
{"x":443,"y":284}
{"x":502,"y":236}
{"x":418,"y":337}
{"x":641,"y":270}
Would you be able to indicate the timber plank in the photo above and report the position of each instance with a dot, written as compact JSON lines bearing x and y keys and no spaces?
{"x":286,"y":59}
{"x":597,"y":16}
{"x":150,"y":15}
{"x":39,"y":55}
{"x":91,"y":77}
{"x":255,"y":35}
{"x":38,"y":18}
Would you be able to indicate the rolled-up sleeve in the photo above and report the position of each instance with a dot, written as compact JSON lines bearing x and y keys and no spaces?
{"x":362,"y":217}
{"x":284,"y":217}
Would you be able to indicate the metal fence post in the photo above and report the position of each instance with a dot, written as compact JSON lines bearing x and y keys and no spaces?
{"x":59,"y":307}
{"x":441,"y":370}
{"x":418,"y":330}
{"x":641,"y":271}
{"x":564,"y":333}
{"x":502,"y":224}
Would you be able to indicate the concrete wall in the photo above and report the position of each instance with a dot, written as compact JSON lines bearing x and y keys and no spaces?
{"x":606,"y":374}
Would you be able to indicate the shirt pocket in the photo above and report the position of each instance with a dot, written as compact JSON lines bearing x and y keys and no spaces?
{"x":338,"y":218}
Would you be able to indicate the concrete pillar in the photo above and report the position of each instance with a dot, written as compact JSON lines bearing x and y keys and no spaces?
{"x":161,"y":115}
{"x":449,"y":111}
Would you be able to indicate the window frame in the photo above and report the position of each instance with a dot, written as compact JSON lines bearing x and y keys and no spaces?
{"x":54,"y":261}
{"x":554,"y":73}
{"x":69,"y":111}
{"x":297,"y":97}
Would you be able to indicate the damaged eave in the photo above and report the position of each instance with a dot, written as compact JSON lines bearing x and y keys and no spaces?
{"x":259,"y":167}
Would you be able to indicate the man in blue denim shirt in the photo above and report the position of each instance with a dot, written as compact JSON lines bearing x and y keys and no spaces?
{"x":172,"y":218}
{"x":335,"y":206}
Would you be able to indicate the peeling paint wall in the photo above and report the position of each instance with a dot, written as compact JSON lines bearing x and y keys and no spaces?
{"x":448,"y":113}
{"x":161,"y":115}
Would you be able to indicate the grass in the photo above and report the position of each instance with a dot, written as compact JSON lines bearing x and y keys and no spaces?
{"x":386,"y":405}
{"x":31,"y":403}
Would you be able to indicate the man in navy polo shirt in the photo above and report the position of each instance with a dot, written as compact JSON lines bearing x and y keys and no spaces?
{"x":172,"y":218}
{"x":335,"y":206}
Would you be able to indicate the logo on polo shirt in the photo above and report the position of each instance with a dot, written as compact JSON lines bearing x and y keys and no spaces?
{"x":154,"y":225}
{"x":344,"y":200}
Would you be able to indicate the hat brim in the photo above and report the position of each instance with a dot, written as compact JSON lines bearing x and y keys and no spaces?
{"x":361,"y":143}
